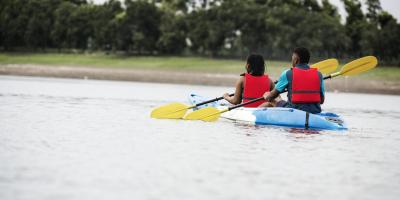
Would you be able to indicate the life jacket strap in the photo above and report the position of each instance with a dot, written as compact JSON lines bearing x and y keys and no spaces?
{"x":306,"y":92}
{"x":307,"y":120}
{"x":248,"y":98}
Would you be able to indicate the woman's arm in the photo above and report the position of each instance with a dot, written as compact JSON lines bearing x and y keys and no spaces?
{"x":237,"y":98}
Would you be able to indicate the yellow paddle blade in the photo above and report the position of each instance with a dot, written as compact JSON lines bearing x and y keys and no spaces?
{"x":327,"y":66}
{"x":208,"y":114}
{"x":358,"y":66}
{"x":170,"y":111}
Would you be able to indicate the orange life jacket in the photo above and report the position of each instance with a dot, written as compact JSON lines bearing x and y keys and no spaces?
{"x":306,"y":86}
{"x":255,"y":87}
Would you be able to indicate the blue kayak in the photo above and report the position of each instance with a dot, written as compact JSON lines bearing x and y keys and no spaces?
{"x":287,"y":117}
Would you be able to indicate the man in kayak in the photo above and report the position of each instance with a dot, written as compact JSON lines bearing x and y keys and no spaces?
{"x":252,"y":84}
{"x":305,"y":85}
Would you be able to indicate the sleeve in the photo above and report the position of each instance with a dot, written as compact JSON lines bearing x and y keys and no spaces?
{"x":321,"y":78}
{"x":282,"y":82}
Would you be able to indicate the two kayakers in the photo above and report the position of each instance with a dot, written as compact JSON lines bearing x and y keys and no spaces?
{"x":252,"y":84}
{"x":305,"y":85}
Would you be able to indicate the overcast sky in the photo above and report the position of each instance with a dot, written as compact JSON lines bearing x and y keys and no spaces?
{"x":392,"y":6}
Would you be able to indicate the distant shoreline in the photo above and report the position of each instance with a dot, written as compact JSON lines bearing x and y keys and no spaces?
{"x":340,"y":84}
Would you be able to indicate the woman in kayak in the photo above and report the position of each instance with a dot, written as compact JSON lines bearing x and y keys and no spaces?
{"x":253,"y":84}
{"x":305,"y":85}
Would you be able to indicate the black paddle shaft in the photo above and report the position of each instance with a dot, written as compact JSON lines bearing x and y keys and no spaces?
{"x":212,"y":100}
{"x":243,"y":104}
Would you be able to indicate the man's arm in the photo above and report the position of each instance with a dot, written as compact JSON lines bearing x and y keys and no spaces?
{"x":279,"y":87}
{"x":270,"y":96}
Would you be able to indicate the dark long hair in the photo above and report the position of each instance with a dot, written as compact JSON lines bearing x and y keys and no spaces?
{"x":256,"y":65}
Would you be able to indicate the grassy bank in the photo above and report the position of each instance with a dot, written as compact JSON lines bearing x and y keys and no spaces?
{"x":200,"y":64}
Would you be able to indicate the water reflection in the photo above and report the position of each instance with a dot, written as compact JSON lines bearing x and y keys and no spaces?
{"x":302,"y":131}
{"x":252,"y":130}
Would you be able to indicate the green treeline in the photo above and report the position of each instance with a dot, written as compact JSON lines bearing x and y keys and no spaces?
{"x":229,"y":28}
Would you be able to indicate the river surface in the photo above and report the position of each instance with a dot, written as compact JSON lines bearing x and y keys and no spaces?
{"x":84,"y":139}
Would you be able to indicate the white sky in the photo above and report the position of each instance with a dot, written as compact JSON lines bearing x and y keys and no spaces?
{"x":391,"y":6}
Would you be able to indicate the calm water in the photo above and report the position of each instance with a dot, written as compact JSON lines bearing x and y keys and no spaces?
{"x":82,"y":139}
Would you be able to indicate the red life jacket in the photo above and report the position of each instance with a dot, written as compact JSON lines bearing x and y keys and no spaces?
{"x":306,"y":86}
{"x":254,"y":87}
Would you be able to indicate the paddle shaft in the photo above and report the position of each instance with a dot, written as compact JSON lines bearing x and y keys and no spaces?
{"x":332,"y":75}
{"x":212,"y":100}
{"x":243,"y":104}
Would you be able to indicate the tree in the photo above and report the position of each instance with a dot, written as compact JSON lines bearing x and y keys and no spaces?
{"x":40,"y":23}
{"x":80,"y":30}
{"x":105,"y":25}
{"x":207,"y":27}
{"x":311,"y":5}
{"x":13,"y":20}
{"x":197,"y":31}
{"x":140,"y":26}
{"x":62,"y":23}
{"x":355,"y":25}
{"x":77,"y":2}
{"x":374,"y":9}
{"x":174,"y":6}
{"x":329,"y":9}
{"x":369,"y":42}
{"x":72,"y":28}
{"x":2,"y":5}
{"x":387,"y":43}
{"x":258,"y":29}
{"x":173,"y":34}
